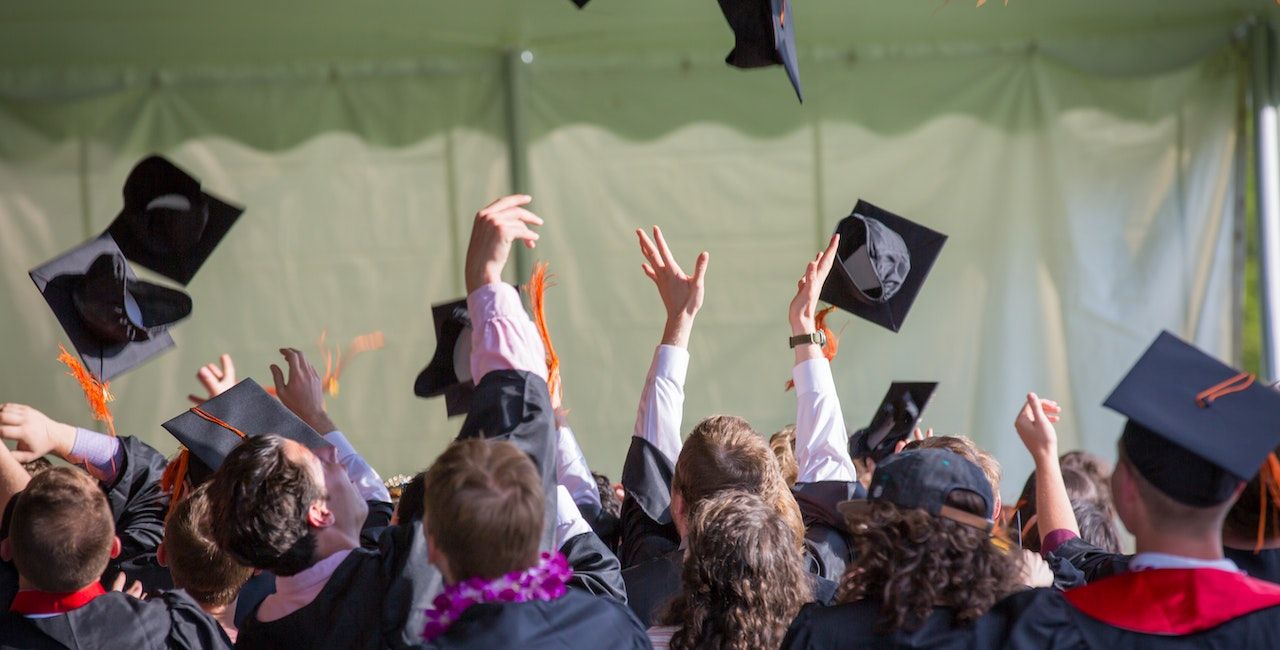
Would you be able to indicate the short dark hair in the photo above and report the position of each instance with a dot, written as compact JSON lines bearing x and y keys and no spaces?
{"x":411,"y":496}
{"x":484,"y":508}
{"x":198,"y":566}
{"x":609,"y":501}
{"x":260,"y":499}
{"x":61,"y":531}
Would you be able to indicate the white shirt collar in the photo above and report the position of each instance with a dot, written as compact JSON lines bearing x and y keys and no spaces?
{"x":1144,"y":561}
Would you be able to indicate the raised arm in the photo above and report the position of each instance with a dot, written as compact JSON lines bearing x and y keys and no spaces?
{"x":822,"y":449}
{"x":1055,"y":518}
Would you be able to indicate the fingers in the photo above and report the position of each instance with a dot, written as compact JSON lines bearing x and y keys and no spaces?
{"x":23,"y":456}
{"x":296,"y":362}
{"x":649,"y":250}
{"x":648,"y":270}
{"x":277,"y":376}
{"x":828,"y":256}
{"x":134,"y":589}
{"x":505,"y":202}
{"x":899,"y":446}
{"x":700,"y":268}
{"x":1036,"y":409}
{"x":917,"y":434}
{"x":118,"y":583}
{"x":667,"y":258}
{"x":228,"y":367}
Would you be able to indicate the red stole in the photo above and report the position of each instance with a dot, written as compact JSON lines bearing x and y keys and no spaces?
{"x":1173,"y":602}
{"x":32,"y":602}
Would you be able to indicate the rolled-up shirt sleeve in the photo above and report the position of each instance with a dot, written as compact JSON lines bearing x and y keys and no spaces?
{"x":99,"y":453}
{"x":661,"y":408}
{"x":822,"y":444}
{"x":364,"y":477}
{"x":503,"y":337}
{"x":572,"y":470}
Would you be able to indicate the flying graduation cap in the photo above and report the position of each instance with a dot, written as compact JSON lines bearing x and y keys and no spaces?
{"x":764,"y":35}
{"x":114,"y":320}
{"x":1197,"y":427}
{"x":449,"y":371}
{"x":883,"y":262}
{"x":899,"y":413}
{"x":168,"y":224}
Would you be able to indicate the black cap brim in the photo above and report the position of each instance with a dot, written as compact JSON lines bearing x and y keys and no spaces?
{"x":247,"y":408}
{"x":179,"y":267}
{"x":1235,"y":432}
{"x":924,"y":246}
{"x":57,"y":279}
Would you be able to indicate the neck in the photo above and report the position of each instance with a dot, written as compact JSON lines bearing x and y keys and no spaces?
{"x":1199,"y":547}
{"x":25,"y":585}
{"x":225,"y":615}
{"x":332,"y":541}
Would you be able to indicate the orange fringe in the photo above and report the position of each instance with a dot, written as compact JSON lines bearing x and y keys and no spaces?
{"x":537,"y":288}
{"x":174,"y":480}
{"x":333,"y":366}
{"x":96,"y":392}
{"x":833,"y":342}
{"x":1269,"y":477}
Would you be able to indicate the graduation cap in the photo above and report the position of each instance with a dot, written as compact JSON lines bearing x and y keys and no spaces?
{"x":883,"y":262}
{"x":114,"y":320}
{"x":168,"y":224}
{"x":210,"y":431}
{"x":895,"y":419}
{"x":449,"y":372}
{"x":581,"y":3}
{"x":764,"y":35}
{"x":1196,"y":427}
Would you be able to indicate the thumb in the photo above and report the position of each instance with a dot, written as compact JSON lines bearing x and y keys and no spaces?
{"x":278,"y":377}
{"x":24,"y":456}
{"x":700,"y":267}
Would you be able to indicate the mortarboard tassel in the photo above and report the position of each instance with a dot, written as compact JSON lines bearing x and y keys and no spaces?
{"x":1269,"y":480}
{"x":359,"y":345}
{"x":174,"y":480}
{"x":537,"y":287}
{"x":96,"y":392}
{"x":833,"y":343}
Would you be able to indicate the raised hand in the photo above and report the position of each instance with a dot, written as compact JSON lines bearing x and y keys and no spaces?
{"x":1035,"y":427}
{"x":496,"y":227}
{"x":215,"y":379}
{"x":681,"y":293}
{"x":303,"y":392}
{"x":36,"y":433}
{"x":915,"y":435}
{"x":804,"y":306}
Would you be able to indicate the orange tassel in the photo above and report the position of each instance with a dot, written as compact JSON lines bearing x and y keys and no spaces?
{"x":537,"y":288}
{"x":97,"y":393}
{"x":833,"y":342}
{"x":1269,"y":479}
{"x":174,"y":480}
{"x":333,"y":365}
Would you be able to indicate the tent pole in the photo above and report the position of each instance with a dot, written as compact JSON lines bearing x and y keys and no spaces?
{"x":514,"y":73}
{"x":1267,"y":163}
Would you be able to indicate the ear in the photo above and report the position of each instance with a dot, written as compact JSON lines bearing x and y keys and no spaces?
{"x":999,"y":509}
{"x":162,"y":558}
{"x":327,"y":454}
{"x":319,"y":515}
{"x":115,"y":547}
{"x":6,"y":551}
{"x":437,"y":559}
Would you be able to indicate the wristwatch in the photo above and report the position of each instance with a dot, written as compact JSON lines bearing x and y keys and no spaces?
{"x":816,"y":338}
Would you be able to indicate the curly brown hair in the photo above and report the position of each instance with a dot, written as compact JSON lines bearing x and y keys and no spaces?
{"x":912,"y":562}
{"x":743,"y":580}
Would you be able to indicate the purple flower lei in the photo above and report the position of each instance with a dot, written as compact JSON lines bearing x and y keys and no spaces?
{"x":543,"y":581}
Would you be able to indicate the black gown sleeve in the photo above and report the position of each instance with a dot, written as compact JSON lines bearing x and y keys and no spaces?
{"x":1095,"y":563}
{"x":137,"y":503}
{"x":596,"y":570}
{"x":647,"y":529}
{"x":375,"y":522}
{"x":826,"y":535}
{"x":412,"y":583}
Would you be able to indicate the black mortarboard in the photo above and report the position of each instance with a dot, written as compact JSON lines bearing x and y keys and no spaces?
{"x":168,"y":224}
{"x":924,"y":478}
{"x":114,"y":320}
{"x":1197,"y":427}
{"x":883,"y":261}
{"x":764,"y":35}
{"x":209,"y":430}
{"x":449,"y":372}
{"x":895,"y":419}
{"x":581,"y":3}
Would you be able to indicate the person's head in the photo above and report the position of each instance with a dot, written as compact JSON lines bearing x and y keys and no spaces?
{"x":1097,"y":470}
{"x":196,"y":563}
{"x":783,"y":444}
{"x":922,"y":540}
{"x":62,"y":534}
{"x":970,"y":451}
{"x":743,"y":578}
{"x":411,"y":495}
{"x":1085,"y":499}
{"x":1150,"y":513}
{"x":277,"y":503}
{"x":610,"y":502}
{"x":1097,"y":525}
{"x":484,"y":510}
{"x":722,"y":453}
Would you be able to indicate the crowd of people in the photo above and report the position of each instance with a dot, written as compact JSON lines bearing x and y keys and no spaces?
{"x":269,"y":530}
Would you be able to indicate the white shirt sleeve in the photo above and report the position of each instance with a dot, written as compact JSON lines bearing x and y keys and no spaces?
{"x":822,"y":444}
{"x":662,"y":401}
{"x":569,"y":521}
{"x":366,"y":480}
{"x":572,"y":470}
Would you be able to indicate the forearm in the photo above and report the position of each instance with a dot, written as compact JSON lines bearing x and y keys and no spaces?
{"x":100,"y":454}
{"x":13,"y":478}
{"x":1053,"y":506}
{"x":661,"y":410}
{"x":822,"y":450}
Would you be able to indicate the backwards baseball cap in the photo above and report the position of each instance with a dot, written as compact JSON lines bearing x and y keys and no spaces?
{"x":924,"y":478}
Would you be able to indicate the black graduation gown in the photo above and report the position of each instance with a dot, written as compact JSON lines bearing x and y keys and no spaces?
{"x":1263,"y":565}
{"x":1094,"y":562}
{"x":825,"y":532}
{"x":651,"y":584}
{"x":115,"y":620}
{"x":577,"y":620}
{"x":851,"y":625}
{"x":1155,"y":609}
